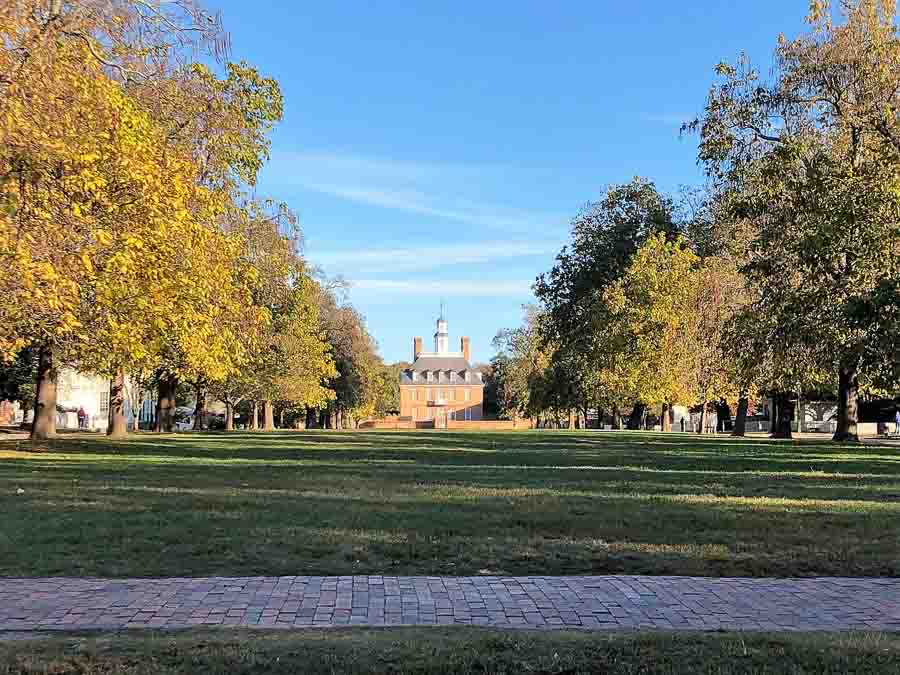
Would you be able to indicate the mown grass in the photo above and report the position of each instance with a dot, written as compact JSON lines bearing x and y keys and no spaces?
{"x":458,"y":650}
{"x":447,"y":503}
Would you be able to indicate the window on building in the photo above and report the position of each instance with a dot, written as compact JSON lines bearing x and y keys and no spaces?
{"x":468,"y":413}
{"x":468,"y":395}
{"x":452,"y":415}
{"x":104,"y":403}
{"x":428,"y":395}
{"x":430,"y":377}
{"x":467,"y":377}
{"x":413,"y":376}
{"x":453,"y":377}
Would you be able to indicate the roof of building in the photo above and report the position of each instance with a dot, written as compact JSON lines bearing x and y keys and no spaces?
{"x":428,"y":362}
{"x":457,"y":363}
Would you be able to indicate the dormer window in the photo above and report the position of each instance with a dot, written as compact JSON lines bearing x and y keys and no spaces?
{"x":453,"y":377}
{"x":413,"y":376}
{"x":467,"y":377}
{"x":430,"y":376}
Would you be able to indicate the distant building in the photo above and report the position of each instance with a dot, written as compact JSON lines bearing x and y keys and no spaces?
{"x":91,"y":392}
{"x":441,"y":385}
{"x":76,"y":391}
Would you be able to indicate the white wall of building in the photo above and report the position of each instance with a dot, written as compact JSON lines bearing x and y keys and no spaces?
{"x":76,"y":390}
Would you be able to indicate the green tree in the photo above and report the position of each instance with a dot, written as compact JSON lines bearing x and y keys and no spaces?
{"x":521,"y":369}
{"x":17,"y":377}
{"x":605,"y":237}
{"x":812,"y":158}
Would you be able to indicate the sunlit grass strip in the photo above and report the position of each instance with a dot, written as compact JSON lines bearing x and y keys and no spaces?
{"x":48,"y":459}
{"x":451,"y":493}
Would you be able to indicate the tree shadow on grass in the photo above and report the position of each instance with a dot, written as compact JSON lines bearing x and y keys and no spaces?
{"x":125,"y":533}
{"x":526,"y":449}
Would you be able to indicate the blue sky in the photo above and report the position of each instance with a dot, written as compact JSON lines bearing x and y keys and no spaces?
{"x":439,"y":149}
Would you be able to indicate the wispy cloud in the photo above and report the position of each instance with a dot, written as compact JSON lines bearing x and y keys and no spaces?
{"x":377,"y":260}
{"x":449,"y":288}
{"x":443,"y":191}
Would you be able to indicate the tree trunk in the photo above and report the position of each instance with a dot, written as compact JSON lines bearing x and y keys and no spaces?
{"x":702,"y":429}
{"x":199,"y":407}
{"x":665,"y":418}
{"x":229,"y":416}
{"x":43,"y":426}
{"x":165,"y":405}
{"x":848,"y":406}
{"x":636,"y":418}
{"x":782,"y":428}
{"x":268,"y":416}
{"x":338,"y":419}
{"x":773,"y":415}
{"x":723,"y":416}
{"x":740,"y":420}
{"x":281,"y":419}
{"x":117,"y":426}
{"x":254,"y":416}
{"x":616,"y":419}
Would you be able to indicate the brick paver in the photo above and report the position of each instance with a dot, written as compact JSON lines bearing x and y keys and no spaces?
{"x":607,"y":602}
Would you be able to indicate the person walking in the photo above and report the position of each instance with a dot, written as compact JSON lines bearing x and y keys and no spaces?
{"x":82,"y":416}
{"x":897,"y":423}
{"x":682,"y":425}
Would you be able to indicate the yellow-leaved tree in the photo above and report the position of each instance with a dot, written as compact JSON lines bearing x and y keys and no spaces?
{"x":109,"y":235}
{"x":92,"y":208}
{"x":653,"y":324}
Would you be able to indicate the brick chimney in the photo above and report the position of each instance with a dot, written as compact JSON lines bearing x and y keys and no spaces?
{"x":464,"y":347}
{"x":417,"y":347}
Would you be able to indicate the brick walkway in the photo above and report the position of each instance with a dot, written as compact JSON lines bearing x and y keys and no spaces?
{"x":506,"y":602}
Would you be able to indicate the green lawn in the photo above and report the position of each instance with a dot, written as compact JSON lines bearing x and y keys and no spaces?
{"x":458,"y":650}
{"x":447,"y":503}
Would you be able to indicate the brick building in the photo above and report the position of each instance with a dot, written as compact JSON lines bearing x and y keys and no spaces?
{"x":441,"y":386}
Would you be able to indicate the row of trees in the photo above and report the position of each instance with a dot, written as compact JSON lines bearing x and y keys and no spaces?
{"x":131,"y":240}
{"x":781,"y":275}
